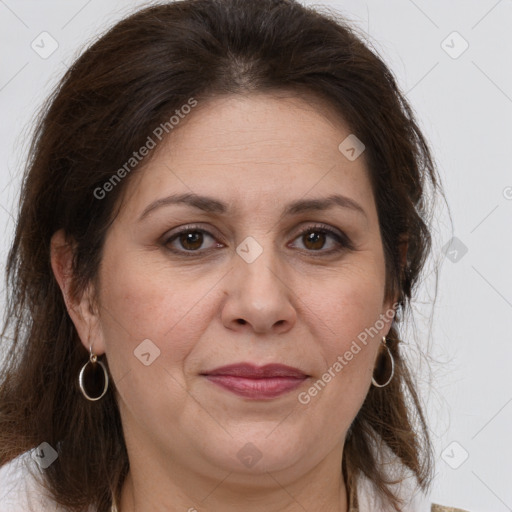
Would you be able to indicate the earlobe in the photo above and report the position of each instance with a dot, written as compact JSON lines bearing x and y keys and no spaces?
{"x":80,"y":309}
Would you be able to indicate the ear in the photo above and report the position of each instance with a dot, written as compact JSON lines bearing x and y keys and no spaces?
{"x":403,"y":245}
{"x":82,"y":310}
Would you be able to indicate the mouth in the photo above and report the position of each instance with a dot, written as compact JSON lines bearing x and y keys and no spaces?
{"x":257,"y":383}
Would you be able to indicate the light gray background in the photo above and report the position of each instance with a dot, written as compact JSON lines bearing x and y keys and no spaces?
{"x":464,"y":104}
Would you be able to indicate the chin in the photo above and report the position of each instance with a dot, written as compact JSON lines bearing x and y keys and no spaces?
{"x":257,"y":453}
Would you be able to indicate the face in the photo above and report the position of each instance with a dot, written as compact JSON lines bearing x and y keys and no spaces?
{"x":244,"y":277}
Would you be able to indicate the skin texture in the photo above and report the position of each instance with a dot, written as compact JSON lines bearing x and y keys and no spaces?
{"x":300,"y":306}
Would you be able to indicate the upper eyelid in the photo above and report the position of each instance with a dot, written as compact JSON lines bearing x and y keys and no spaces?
{"x":210,"y":231}
{"x":186,"y":228}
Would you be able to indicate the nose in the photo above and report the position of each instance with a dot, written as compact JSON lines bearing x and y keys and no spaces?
{"x":259,"y":298}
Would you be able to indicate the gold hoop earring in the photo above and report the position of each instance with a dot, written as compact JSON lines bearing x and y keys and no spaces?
{"x":374,"y":382}
{"x":88,"y":374}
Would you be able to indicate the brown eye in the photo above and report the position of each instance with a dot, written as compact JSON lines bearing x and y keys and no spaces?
{"x":323,"y":240}
{"x":191,"y":240}
{"x":314,"y":240}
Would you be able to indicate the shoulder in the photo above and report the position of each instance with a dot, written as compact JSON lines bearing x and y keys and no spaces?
{"x":20,"y":490}
{"x":413,"y":500}
{"x":440,"y":508}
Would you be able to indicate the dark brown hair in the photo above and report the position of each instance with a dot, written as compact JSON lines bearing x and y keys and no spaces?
{"x":109,"y":101}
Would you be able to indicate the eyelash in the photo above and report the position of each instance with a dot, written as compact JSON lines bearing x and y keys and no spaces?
{"x":341,"y":239}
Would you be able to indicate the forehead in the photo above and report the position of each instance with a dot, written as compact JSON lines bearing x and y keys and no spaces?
{"x":252,"y":148}
{"x":262,"y":128}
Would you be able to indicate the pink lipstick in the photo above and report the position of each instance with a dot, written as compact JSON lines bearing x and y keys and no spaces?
{"x":257,"y":383}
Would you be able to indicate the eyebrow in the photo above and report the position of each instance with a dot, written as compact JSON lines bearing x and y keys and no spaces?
{"x":212,"y":205}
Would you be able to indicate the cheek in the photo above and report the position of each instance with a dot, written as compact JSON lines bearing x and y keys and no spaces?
{"x":348,"y":304}
{"x":145,"y":299}
{"x":349,"y":332}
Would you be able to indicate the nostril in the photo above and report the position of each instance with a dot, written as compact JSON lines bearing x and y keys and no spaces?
{"x":241,"y":321}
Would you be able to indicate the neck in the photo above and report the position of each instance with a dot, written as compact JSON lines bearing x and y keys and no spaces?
{"x":142,"y":492}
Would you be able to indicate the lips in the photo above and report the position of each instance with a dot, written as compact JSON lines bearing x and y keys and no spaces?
{"x":257,"y":383}
{"x":250,"y":371}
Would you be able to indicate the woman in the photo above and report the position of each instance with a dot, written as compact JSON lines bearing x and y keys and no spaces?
{"x":221,"y":227}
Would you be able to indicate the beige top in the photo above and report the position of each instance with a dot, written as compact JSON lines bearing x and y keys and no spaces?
{"x":433,"y":508}
{"x":440,"y":508}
